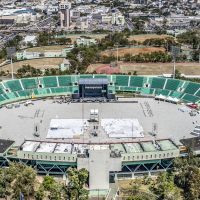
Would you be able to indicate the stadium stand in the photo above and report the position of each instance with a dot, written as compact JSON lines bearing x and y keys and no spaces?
{"x":64,"y":80}
{"x":158,"y":83}
{"x":13,"y":85}
{"x":29,"y":83}
{"x":137,"y":81}
{"x":21,"y":89}
{"x":50,"y":81}
{"x":122,"y":80}
{"x":192,"y":88}
{"x":172,"y":84}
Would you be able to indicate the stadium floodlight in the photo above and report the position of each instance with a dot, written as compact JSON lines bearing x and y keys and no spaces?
{"x":175,"y":51}
{"x":10,"y":52}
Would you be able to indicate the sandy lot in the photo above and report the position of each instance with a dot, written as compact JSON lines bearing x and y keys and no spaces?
{"x":46,"y":48}
{"x":43,"y":63}
{"x":133,"y":51}
{"x":152,"y":68}
{"x":142,"y":38}
{"x":160,"y":68}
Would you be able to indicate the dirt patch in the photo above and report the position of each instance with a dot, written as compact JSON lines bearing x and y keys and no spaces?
{"x":142,"y":38}
{"x":46,"y":48}
{"x":160,"y":68}
{"x":132,"y":51}
{"x":42,"y":64}
{"x":152,"y":68}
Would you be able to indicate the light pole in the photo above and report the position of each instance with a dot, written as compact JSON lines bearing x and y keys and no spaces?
{"x":175,"y":51}
{"x":10,"y":52}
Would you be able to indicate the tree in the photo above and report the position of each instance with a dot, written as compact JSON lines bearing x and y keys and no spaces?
{"x":24,"y":183}
{"x":190,"y":38}
{"x":192,"y":180}
{"x":28,"y":71}
{"x":166,"y":188}
{"x":40,"y":193}
{"x":187,"y":176}
{"x":77,"y":181}
{"x":177,"y":74}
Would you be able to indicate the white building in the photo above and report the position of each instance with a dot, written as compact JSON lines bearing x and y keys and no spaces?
{"x":30,"y":39}
{"x":20,"y":16}
{"x":85,"y":41}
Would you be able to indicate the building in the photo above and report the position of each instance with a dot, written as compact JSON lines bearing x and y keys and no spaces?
{"x":65,"y":65}
{"x":20,"y":16}
{"x":112,"y":161}
{"x":29,"y":54}
{"x":30,"y":39}
{"x":65,"y":7}
{"x":85,"y":41}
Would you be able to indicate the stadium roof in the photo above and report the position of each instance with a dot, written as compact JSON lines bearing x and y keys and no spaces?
{"x":93,"y":81}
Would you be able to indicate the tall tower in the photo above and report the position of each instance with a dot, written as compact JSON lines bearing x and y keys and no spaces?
{"x":65,"y":7}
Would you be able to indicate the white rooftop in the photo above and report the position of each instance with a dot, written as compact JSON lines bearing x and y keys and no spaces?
{"x":80,"y":148}
{"x":122,"y":127}
{"x":66,"y":128}
{"x":30,"y":146}
{"x":46,"y":147}
{"x":30,"y":38}
{"x":63,"y":148}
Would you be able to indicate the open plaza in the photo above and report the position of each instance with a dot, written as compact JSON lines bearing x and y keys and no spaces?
{"x":158,"y":119}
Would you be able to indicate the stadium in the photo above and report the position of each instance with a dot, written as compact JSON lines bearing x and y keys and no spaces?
{"x":117,"y":125}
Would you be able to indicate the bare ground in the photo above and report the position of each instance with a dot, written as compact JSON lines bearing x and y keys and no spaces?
{"x":143,"y":37}
{"x":153,"y":68}
{"x":132,"y":51}
{"x":43,"y":63}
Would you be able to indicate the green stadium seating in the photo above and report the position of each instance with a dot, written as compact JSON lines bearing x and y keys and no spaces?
{"x":25,"y":93}
{"x":61,"y":90}
{"x":163,"y":92}
{"x":59,"y":85}
{"x":2,"y":98}
{"x":42,"y":91}
{"x":122,"y":80}
{"x":190,"y":98}
{"x":11,"y":95}
{"x":172,"y":84}
{"x":86,"y":76}
{"x":128,"y":89}
{"x":100,"y":76}
{"x":158,"y":83}
{"x":50,"y":81}
{"x":175,"y":94}
{"x":64,"y":81}
{"x":198,"y":94}
{"x":147,"y":91}
{"x":137,"y":81}
{"x":29,"y":83}
{"x":13,"y":85}
{"x":192,"y":88}
{"x":1,"y":89}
